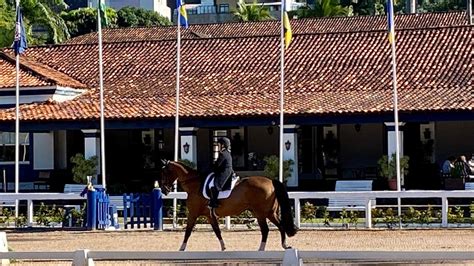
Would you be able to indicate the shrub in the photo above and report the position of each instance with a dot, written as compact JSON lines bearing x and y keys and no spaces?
{"x":272,"y":167}
{"x":83,"y":167}
{"x":308,"y":211}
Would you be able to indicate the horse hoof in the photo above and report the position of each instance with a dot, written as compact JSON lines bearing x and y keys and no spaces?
{"x":287,"y":247}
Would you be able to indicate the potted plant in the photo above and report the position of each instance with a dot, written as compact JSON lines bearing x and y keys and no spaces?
{"x":83,"y":168}
{"x":388,"y":169}
{"x":272,"y":167}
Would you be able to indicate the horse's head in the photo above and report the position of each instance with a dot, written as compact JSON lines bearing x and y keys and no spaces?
{"x":168,"y":176}
{"x":171,"y":171}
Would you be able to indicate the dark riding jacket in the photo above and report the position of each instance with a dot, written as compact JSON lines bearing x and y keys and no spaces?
{"x":222,"y":169}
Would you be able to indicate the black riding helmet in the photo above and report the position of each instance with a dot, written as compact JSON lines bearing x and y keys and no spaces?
{"x":225,"y":142}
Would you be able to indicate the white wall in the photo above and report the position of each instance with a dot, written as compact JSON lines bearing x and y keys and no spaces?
{"x":454,"y":139}
{"x":360,"y":149}
{"x":43,"y":151}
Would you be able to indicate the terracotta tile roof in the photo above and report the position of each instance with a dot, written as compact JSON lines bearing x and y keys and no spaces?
{"x":270,"y":28}
{"x":32,"y":74}
{"x":8,"y":76}
{"x":325,"y":74}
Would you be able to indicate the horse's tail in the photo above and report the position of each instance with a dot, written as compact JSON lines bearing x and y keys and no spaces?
{"x":286,"y":215}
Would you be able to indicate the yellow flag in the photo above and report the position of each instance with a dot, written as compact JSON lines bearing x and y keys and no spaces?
{"x":287,"y":30}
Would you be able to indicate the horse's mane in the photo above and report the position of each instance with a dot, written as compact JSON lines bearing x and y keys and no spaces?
{"x":188,"y":169}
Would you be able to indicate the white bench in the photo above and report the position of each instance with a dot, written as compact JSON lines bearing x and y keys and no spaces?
{"x":350,"y":203}
{"x":117,"y":201}
{"x":76,"y":188}
{"x":469,"y":186}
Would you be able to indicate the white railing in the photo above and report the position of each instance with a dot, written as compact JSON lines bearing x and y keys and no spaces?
{"x":367,"y":196}
{"x":287,"y":257}
{"x":30,"y":197}
{"x":86,"y":257}
{"x":297,"y":196}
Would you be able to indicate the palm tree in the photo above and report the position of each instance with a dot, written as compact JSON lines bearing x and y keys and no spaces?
{"x":252,"y":12}
{"x":45,"y":15}
{"x":324,"y":8}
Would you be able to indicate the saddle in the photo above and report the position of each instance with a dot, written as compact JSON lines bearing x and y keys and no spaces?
{"x":226,"y":190}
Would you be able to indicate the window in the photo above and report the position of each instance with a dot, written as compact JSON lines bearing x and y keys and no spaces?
{"x":7,"y":147}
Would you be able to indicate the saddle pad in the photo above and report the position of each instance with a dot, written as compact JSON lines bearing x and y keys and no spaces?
{"x":209,"y":182}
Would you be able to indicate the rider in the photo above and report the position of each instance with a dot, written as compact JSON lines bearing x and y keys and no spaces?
{"x":222,"y":170}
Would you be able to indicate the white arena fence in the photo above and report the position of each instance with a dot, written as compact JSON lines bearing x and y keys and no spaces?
{"x":87,"y":257}
{"x":297,"y":196}
{"x":290,"y":257}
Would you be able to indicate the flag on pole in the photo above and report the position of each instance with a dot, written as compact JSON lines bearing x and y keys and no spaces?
{"x":103,"y":14}
{"x":19,"y":43}
{"x":182,"y":16}
{"x":391,"y":26}
{"x":287,"y":29}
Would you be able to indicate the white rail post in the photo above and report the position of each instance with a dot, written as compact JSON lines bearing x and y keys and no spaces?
{"x":30,"y":212}
{"x":291,"y":258}
{"x":297,"y":212}
{"x":368,"y":213}
{"x":227,"y":222}
{"x":81,"y":258}
{"x":444,"y":211}
{"x":4,"y":248}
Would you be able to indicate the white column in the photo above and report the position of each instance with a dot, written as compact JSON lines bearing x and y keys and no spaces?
{"x":392,"y":144}
{"x":92,"y":145}
{"x":188,"y":143}
{"x":290,"y":152}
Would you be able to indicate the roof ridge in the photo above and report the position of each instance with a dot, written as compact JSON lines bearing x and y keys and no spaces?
{"x":201,"y":37}
{"x":194,"y":28}
{"x":25,"y":65}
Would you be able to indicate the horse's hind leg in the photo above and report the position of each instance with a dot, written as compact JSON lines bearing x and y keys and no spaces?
{"x":262,"y":222}
{"x":276,"y":221}
{"x":217,"y":230}
{"x":191,"y":222}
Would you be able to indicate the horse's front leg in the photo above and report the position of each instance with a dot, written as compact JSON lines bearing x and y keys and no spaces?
{"x":262,"y":222}
{"x":215,"y":226}
{"x":191,"y":222}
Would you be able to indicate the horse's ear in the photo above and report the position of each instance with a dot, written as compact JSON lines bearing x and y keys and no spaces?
{"x":164,"y":163}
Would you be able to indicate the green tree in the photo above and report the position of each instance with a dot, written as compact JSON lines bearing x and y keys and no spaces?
{"x":84,"y":20}
{"x":7,"y":24}
{"x":139,"y":17}
{"x":252,"y":12}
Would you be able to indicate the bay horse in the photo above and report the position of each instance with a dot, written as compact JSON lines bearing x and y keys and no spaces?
{"x":260,"y":195}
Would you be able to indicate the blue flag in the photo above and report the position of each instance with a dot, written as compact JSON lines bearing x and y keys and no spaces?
{"x":182,"y":16}
{"x":19,"y":44}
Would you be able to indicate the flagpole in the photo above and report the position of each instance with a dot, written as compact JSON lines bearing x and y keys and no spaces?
{"x":282,"y":92}
{"x":101,"y":86}
{"x":395,"y":105}
{"x":17,"y":122}
{"x":176,"y":121}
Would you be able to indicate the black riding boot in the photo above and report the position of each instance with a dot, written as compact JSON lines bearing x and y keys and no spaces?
{"x":213,"y":199}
